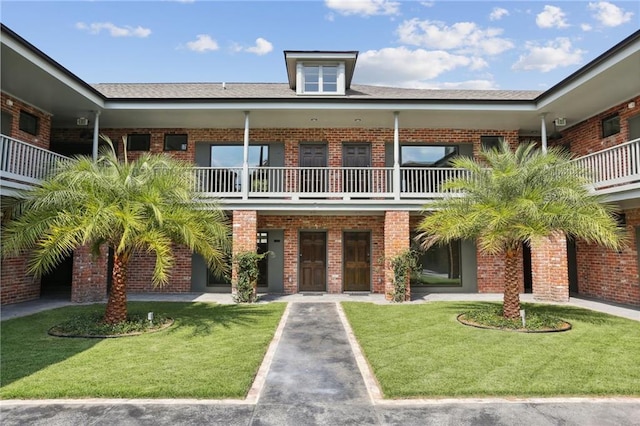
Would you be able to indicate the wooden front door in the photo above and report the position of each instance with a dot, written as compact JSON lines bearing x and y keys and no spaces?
{"x":356,"y":155}
{"x":357,"y":261}
{"x":313,"y":261}
{"x":313,"y":155}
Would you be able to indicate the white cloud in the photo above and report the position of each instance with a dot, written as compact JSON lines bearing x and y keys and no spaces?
{"x":404,"y":67}
{"x":465,"y":37}
{"x":551,"y":17}
{"x":428,"y":3}
{"x":556,"y":53}
{"x":498,"y":13}
{"x":609,"y":14}
{"x":114,"y":30}
{"x":203,"y":43}
{"x":586,"y":27}
{"x":364,"y":7}
{"x":262,"y":47}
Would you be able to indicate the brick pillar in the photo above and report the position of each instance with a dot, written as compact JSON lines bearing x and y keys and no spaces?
{"x":245,"y":227}
{"x":549,"y":269}
{"x":89,"y":280}
{"x":396,"y":240}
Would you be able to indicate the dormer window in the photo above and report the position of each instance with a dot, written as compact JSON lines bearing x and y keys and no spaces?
{"x":320,"y":78}
{"x":320,"y":72}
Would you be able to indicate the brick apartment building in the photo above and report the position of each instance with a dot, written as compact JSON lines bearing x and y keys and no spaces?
{"x":331,"y":177}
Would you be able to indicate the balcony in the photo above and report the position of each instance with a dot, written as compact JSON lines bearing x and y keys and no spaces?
{"x":23,"y":165}
{"x":616,"y":172}
{"x":335,"y":183}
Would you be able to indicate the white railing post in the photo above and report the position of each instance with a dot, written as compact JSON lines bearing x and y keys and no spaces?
{"x":245,"y":158}
{"x":396,"y":156}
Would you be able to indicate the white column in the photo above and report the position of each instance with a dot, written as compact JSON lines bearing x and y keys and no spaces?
{"x":96,"y":134}
{"x":396,"y":156}
{"x":543,"y":133}
{"x":245,"y":158}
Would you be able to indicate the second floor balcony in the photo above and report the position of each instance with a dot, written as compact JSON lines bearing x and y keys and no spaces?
{"x":616,"y":172}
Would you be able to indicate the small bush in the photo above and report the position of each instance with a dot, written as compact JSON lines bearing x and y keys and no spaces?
{"x":247,"y":275}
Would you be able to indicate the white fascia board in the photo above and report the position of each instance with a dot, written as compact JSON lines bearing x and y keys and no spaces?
{"x":321,"y":56}
{"x":324,"y":106}
{"x":53,"y":71}
{"x":594,"y":72}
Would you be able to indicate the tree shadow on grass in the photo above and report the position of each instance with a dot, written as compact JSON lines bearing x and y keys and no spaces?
{"x":203,"y":318}
{"x":25,"y":346}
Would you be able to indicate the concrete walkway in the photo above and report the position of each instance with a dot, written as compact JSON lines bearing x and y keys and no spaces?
{"x":314,"y":374}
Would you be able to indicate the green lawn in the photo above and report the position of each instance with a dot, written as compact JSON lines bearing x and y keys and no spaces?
{"x":212,"y":351}
{"x":422,"y":351}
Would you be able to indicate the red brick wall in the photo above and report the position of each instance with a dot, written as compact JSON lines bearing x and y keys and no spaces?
{"x":89,"y":280}
{"x":291,"y":138}
{"x":608,"y":274}
{"x":44,"y":122}
{"x":15,"y":285}
{"x":396,"y":241}
{"x":586,"y":137}
{"x":549,"y":269}
{"x":141,"y":267}
{"x":334,"y":226}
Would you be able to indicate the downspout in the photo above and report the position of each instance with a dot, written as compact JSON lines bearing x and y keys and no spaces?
{"x":245,"y":158}
{"x":96,"y":132}
{"x":543,"y":133}
{"x":396,"y":156}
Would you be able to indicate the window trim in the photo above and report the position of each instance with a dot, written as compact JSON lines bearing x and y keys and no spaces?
{"x":183,"y":145}
{"x":25,"y":126}
{"x":147,"y":142}
{"x":339,"y":81}
{"x":484,"y":147}
{"x":607,"y":122}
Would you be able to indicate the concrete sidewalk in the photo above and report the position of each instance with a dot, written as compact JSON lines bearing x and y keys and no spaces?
{"x":28,"y":308}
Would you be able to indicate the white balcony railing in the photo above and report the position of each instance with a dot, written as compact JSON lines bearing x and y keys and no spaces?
{"x":614,"y":169}
{"x":24,"y":164}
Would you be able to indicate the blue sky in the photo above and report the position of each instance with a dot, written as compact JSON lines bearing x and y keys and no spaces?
{"x":421,"y":44}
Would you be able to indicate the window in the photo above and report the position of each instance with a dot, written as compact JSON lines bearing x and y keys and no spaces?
{"x":490,"y":142}
{"x":427,"y":156}
{"x":610,"y":126}
{"x":28,"y":123}
{"x":175,"y":142}
{"x":228,"y":159}
{"x":417,"y":161}
{"x":320,"y":78}
{"x":139,"y":142}
{"x":439,"y":265}
{"x":232,"y":155}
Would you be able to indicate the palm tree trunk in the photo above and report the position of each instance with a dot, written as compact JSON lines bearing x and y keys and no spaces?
{"x":511,"y":301}
{"x":116,"y":311}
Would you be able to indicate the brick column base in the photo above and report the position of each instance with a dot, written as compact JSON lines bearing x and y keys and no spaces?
{"x":89,"y":280}
{"x":245,"y":228}
{"x":396,"y":240}
{"x":549,"y":269}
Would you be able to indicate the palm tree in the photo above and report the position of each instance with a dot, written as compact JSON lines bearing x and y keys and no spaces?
{"x":513,"y":197}
{"x":145,"y":205}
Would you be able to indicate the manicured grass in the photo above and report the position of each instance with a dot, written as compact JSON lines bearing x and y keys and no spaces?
{"x":422,"y":351}
{"x":211,"y":351}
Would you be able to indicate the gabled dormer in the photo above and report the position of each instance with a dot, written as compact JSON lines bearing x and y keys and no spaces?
{"x":325,"y":73}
